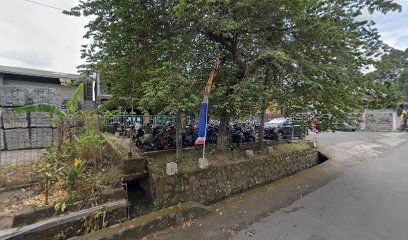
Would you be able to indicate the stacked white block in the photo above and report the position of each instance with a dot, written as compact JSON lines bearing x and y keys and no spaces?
{"x":40,"y":120}
{"x":12,"y":96}
{"x":14,"y":120}
{"x":40,"y":95}
{"x":18,"y":138}
{"x":22,"y":130}
{"x":41,"y":137}
{"x":1,"y":130}
{"x":1,"y":117}
{"x":1,"y":139}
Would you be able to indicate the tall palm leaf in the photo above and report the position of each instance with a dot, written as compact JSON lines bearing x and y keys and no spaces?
{"x":45,"y":108}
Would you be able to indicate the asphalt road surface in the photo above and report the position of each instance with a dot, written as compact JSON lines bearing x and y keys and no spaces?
{"x":369,"y":200}
{"x":360,"y":193}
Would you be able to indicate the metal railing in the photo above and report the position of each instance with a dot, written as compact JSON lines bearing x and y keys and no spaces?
{"x":132,"y":119}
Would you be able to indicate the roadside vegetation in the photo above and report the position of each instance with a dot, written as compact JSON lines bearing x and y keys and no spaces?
{"x":302,"y":56}
{"x":77,"y":166}
{"x":216,"y":157}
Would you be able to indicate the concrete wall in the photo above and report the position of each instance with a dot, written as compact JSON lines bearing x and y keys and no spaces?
{"x":380,"y":121}
{"x":19,"y":93}
{"x":89,"y":105}
{"x":217,"y":182}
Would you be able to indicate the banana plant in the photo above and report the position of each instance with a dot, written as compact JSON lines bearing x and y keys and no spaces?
{"x":61,"y":116}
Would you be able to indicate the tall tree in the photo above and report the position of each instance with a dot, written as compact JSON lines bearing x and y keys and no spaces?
{"x":389,"y":82}
{"x":303,"y":55}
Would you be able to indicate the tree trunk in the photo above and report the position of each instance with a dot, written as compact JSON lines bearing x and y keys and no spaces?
{"x":179,"y":144}
{"x":222,"y":132}
{"x":261,"y":144}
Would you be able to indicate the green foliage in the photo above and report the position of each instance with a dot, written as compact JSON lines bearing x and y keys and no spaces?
{"x":169,"y":92}
{"x":156,"y":205}
{"x":49,"y":170}
{"x":389,"y":82}
{"x":95,"y":222}
{"x":72,"y":174}
{"x":45,"y":108}
{"x":60,"y":206}
{"x":89,"y":147}
{"x":304,"y":56}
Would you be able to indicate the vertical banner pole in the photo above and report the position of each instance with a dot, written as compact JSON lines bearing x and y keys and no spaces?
{"x":205,"y":135}
{"x":203,"y":121}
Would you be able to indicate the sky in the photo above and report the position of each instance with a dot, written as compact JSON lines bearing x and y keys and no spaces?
{"x":35,"y":36}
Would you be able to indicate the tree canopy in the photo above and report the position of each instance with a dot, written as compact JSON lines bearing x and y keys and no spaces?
{"x":389,"y":81}
{"x":304,"y":56}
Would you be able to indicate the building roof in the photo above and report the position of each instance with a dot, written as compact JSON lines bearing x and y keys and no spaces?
{"x":37,"y":73}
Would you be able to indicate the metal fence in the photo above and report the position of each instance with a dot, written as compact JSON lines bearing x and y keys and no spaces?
{"x":23,"y":139}
{"x":23,"y":136}
{"x":132,"y":119}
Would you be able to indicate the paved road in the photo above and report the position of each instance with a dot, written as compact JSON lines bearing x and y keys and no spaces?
{"x":360,"y":193}
{"x":368,"y":201}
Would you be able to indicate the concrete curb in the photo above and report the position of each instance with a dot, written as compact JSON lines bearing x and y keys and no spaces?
{"x":149,"y":223}
{"x":49,"y":228}
{"x":34,"y":214}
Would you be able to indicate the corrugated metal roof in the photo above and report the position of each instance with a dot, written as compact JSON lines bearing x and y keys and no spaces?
{"x":37,"y":73}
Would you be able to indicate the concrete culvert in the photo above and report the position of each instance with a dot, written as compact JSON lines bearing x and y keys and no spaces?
{"x":322,"y":158}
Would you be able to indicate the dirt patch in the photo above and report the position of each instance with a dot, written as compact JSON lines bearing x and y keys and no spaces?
{"x":12,"y":175}
{"x":12,"y":201}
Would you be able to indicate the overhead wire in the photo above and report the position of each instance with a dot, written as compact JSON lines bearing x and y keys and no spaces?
{"x":44,"y":5}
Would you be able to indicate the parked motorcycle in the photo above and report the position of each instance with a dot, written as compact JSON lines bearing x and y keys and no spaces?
{"x":189,"y":136}
{"x":249,"y":133}
{"x":212,"y":134}
{"x":145,"y":140}
{"x":237,"y":134}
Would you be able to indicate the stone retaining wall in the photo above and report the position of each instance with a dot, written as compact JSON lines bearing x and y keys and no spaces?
{"x":217,"y":182}
{"x":155,"y":221}
{"x":33,"y":214}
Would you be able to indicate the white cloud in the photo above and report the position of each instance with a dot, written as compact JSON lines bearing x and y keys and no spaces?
{"x":393,"y":26}
{"x":35,"y":36}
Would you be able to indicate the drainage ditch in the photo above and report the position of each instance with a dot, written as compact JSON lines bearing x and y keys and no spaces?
{"x":139,"y":200}
{"x":322,"y":158}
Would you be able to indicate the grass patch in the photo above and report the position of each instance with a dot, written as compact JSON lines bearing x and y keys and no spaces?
{"x":15,"y":166}
{"x":216,"y":157}
{"x":114,"y":142}
{"x":189,"y":161}
{"x":291,"y":147}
